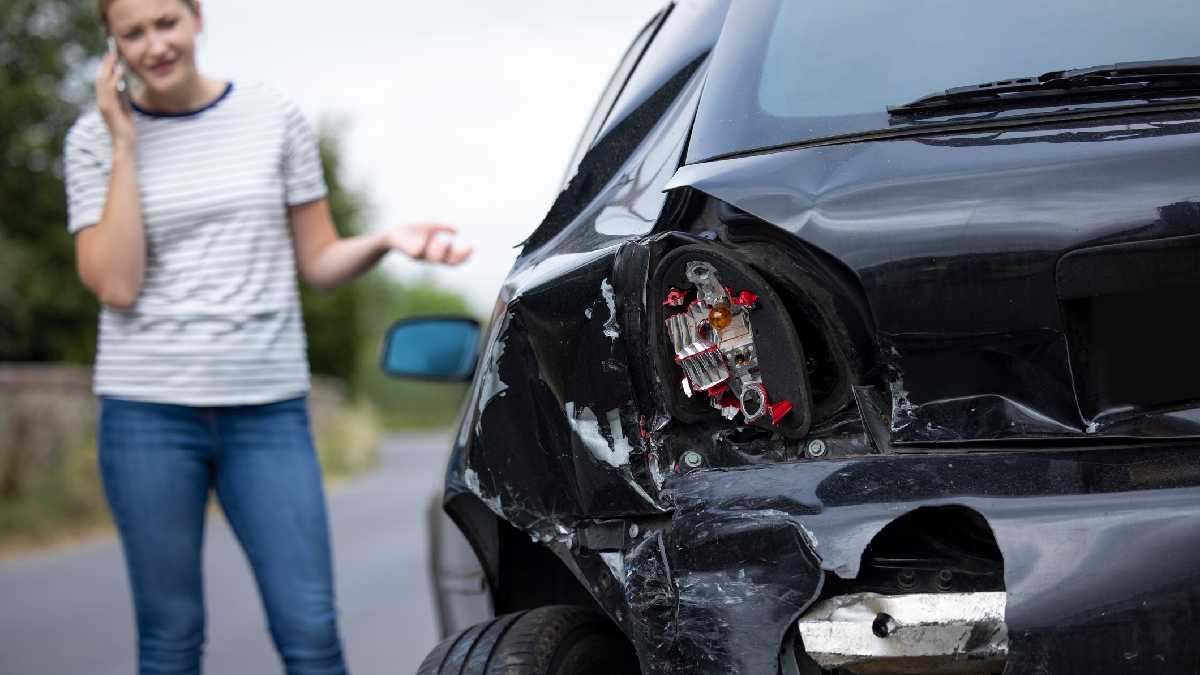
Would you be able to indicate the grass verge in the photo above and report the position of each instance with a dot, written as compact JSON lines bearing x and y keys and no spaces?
{"x":348,"y":444}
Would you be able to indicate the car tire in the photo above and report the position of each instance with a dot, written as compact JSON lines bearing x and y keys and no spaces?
{"x":556,"y":640}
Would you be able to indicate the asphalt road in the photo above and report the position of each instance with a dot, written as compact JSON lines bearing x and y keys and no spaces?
{"x":69,"y":613}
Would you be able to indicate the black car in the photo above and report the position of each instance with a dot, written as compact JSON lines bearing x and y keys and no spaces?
{"x":862,"y":338}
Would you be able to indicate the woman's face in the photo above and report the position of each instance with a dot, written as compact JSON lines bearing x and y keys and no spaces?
{"x":157,"y":38}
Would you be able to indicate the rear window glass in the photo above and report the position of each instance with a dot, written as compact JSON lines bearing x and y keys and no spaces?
{"x":793,"y":70}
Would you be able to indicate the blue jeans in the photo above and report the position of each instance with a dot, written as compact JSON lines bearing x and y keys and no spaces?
{"x":158,"y":463}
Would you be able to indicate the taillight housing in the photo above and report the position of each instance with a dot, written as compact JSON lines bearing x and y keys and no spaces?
{"x":727,"y":347}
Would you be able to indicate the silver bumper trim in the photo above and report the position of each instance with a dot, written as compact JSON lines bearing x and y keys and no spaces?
{"x":925,"y":633}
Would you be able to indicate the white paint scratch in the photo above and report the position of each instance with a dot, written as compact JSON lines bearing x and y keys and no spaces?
{"x":587,"y":427}
{"x":656,"y":472}
{"x":492,"y":385}
{"x":472,"y":480}
{"x":808,"y":534}
{"x":902,"y":407}
{"x":616,"y":564}
{"x":612,"y":330}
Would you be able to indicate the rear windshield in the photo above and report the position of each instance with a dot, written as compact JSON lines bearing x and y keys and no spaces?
{"x":794,"y":70}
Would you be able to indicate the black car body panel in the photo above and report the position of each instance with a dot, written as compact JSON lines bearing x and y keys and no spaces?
{"x":1099,"y":558}
{"x":960,"y":243}
{"x":1008,"y":318}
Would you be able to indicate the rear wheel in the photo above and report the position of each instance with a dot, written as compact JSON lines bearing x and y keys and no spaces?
{"x":556,"y":640}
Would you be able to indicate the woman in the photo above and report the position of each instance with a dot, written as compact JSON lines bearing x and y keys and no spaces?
{"x":193,"y":207}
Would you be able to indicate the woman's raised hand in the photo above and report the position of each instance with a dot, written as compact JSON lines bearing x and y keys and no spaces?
{"x":421,"y":242}
{"x":114,"y":107}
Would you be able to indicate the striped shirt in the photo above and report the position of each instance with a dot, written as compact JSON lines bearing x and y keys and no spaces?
{"x":218,"y":318}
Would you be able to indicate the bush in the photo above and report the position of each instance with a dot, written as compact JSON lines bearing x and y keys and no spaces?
{"x":349,"y":443}
{"x":55,"y":503}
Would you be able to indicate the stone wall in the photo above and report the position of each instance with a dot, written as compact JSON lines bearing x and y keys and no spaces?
{"x":48,"y":409}
{"x":45,"y":410}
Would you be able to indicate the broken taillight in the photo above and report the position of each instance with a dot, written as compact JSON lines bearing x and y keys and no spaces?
{"x":714,"y":345}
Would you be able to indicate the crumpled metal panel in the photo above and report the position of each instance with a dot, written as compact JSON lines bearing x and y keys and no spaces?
{"x":556,"y":433}
{"x":1101,"y":570}
{"x":955,"y":240}
{"x":553,"y":426}
{"x":1098,"y":545}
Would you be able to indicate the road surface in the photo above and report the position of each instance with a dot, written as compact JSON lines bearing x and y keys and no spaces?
{"x":69,"y":613}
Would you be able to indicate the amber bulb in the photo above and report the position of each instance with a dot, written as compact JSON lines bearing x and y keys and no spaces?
{"x":719,"y":317}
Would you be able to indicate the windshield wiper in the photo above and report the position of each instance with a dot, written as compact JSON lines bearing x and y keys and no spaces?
{"x":1134,"y":78}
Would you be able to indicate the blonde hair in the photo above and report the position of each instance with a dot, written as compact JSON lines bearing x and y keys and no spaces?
{"x":103,"y":5}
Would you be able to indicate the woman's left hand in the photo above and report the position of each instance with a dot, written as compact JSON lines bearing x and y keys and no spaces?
{"x":421,"y":242}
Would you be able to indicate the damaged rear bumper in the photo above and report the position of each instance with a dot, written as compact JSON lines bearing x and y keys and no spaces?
{"x":1101,"y":571}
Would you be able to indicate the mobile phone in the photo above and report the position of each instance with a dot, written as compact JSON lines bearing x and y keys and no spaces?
{"x":123,"y":84}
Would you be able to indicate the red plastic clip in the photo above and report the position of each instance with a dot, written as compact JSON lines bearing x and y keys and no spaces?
{"x":642,"y":430}
{"x":744,"y":298}
{"x":779,"y":410}
{"x":729,"y":401}
{"x":717,"y":391}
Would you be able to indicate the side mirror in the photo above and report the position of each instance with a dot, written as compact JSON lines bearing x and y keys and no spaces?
{"x":444,"y":349}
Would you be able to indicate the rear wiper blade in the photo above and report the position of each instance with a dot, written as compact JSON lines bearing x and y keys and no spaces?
{"x":1129,"y":77}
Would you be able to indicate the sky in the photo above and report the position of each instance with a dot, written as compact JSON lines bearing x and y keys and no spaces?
{"x":462,"y":112}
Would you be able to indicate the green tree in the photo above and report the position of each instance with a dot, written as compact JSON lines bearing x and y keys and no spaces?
{"x":46,"y":47}
{"x":405,"y":403}
{"x":332,"y":319}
